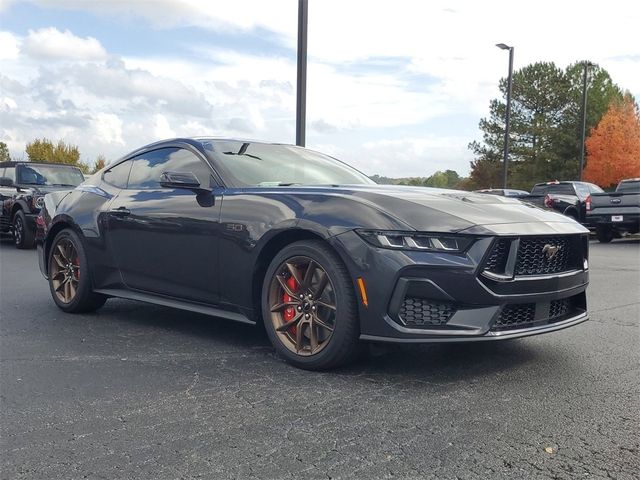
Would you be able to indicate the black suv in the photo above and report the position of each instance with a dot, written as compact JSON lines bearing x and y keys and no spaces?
{"x":23,"y":186}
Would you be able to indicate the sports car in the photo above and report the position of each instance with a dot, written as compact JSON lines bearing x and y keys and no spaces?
{"x":311,"y":247}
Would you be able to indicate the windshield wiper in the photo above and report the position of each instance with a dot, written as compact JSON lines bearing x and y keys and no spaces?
{"x":243,"y":152}
{"x":278,"y":184}
{"x":62,"y":185}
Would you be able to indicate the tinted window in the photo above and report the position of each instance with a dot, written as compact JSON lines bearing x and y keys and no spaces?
{"x":633,"y":186}
{"x":10,"y":172}
{"x":539,"y":190}
{"x":63,"y":175}
{"x":118,"y":175}
{"x":561,"y":189}
{"x":148,"y":167}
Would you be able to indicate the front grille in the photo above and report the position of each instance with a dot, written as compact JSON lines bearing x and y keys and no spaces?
{"x":534,"y":259}
{"x":497,"y":260}
{"x":541,"y":255}
{"x":421,"y":312}
{"x":518,"y":315}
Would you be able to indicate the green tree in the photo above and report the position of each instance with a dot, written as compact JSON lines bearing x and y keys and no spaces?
{"x":43,"y":150}
{"x":546,"y":122}
{"x":4,"y":152}
{"x":101,"y":161}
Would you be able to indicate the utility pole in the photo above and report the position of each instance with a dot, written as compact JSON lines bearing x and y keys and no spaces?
{"x":301,"y":90}
{"x":508,"y":115}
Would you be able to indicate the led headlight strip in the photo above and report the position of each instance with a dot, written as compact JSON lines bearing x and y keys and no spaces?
{"x":417,"y":241}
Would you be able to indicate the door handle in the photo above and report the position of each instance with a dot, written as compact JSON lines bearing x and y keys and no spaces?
{"x":120,"y":211}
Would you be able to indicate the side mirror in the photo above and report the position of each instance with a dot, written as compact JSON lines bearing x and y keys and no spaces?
{"x":179,"y":180}
{"x":6,"y":182}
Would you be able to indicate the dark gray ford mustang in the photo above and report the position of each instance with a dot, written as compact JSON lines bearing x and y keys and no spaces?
{"x":259,"y":232}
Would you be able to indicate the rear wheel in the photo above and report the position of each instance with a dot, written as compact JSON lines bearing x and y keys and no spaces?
{"x":22,"y":236}
{"x":309,"y":307}
{"x":604,"y":234}
{"x":69,"y":278}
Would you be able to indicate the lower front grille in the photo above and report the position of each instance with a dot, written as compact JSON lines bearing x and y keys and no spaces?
{"x":421,"y":312}
{"x":519,"y":315}
{"x":525,"y":315}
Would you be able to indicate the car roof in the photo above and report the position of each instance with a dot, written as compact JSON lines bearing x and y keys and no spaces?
{"x":26,"y":162}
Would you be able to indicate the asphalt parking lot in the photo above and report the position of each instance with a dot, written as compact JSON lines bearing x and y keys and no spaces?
{"x":141,"y":391}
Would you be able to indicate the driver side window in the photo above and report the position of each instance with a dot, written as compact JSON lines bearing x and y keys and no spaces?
{"x":148,"y":167}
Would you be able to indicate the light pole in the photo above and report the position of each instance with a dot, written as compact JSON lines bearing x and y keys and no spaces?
{"x":301,"y":90}
{"x":586,"y":66}
{"x":508,"y":115}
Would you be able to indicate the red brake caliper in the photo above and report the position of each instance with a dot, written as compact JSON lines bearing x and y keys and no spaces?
{"x":76,"y":262}
{"x":290,"y":312}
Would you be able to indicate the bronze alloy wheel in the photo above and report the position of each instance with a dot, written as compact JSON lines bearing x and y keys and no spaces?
{"x":65,"y":270}
{"x":302,"y":303}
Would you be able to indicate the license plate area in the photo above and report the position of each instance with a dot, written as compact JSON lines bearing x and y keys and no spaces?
{"x":617,"y":218}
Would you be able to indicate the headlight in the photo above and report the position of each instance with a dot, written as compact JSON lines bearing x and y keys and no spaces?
{"x":429,"y":242}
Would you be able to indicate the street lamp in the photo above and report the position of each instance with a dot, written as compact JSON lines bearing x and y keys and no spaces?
{"x":508,"y":115}
{"x":586,"y":66}
{"x":301,"y":90}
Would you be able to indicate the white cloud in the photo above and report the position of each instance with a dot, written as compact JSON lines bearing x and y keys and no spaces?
{"x":161,"y":127}
{"x":51,"y":43}
{"x":9,"y":46}
{"x":7,"y":103}
{"x":107,"y":128}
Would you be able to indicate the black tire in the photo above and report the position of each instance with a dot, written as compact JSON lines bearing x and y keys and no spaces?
{"x":23,"y":238}
{"x":604,"y":234}
{"x":572,"y":214}
{"x":343,"y":346}
{"x":85,"y":299}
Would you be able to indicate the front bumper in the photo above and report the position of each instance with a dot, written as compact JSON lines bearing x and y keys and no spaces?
{"x":459,"y":303}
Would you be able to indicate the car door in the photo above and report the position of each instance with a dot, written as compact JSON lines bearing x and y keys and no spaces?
{"x":165,"y":240}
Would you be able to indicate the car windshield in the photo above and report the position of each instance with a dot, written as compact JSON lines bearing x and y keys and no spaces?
{"x":50,"y":175}
{"x":267,"y":165}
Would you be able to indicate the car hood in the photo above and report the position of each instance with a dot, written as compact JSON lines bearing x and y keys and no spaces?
{"x":442,"y":210}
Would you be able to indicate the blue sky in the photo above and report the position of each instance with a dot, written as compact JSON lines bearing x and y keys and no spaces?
{"x":395,"y":87}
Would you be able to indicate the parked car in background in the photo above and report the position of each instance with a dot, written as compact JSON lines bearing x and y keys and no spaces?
{"x":326,"y":258}
{"x":504,"y":192}
{"x":612,"y":214}
{"x":567,"y":197}
{"x":23,"y":186}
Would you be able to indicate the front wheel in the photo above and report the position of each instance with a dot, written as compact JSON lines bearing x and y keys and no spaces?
{"x":69,"y":278}
{"x":309,"y":307}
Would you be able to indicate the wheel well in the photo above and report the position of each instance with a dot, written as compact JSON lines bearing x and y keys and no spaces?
{"x":571,"y":212}
{"x":16,"y":207}
{"x":272,"y":247}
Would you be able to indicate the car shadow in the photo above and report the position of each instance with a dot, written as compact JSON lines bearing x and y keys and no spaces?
{"x":443,"y":362}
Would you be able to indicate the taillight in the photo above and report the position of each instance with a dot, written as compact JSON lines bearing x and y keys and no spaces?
{"x":548,"y":201}
{"x":587,"y":203}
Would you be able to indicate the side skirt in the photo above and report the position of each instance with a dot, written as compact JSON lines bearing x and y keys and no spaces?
{"x":175,"y":303}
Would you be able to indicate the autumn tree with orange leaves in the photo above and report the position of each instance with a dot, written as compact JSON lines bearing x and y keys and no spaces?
{"x":613,"y":146}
